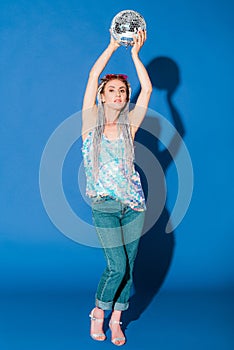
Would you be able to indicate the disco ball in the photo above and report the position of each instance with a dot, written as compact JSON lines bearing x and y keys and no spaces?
{"x":125,"y":25}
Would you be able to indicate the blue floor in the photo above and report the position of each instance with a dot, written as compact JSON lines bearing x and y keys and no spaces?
{"x":53,"y":321}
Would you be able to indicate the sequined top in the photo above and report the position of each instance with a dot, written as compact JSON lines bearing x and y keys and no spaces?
{"x":112,"y":179}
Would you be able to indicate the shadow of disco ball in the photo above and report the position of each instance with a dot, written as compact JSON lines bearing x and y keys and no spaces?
{"x":125,"y":25}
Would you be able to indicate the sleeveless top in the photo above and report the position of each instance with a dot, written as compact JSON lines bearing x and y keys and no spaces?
{"x":112,"y":178}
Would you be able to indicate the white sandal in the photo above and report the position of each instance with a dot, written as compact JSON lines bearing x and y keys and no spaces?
{"x":118,"y":339}
{"x":97,"y":336}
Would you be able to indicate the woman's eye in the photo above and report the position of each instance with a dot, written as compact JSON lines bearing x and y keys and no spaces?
{"x":122,"y":91}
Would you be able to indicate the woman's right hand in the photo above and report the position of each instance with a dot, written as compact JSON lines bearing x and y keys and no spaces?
{"x":114,"y":43}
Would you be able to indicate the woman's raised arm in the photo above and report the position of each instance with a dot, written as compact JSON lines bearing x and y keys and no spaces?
{"x":138,"y":113}
{"x":91,"y":89}
{"x":89,"y":108}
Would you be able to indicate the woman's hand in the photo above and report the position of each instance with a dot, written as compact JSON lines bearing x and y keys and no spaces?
{"x":138,"y":41}
{"x":113,"y":43}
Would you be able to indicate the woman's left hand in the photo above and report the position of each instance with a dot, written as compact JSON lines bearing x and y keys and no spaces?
{"x":138,"y":41}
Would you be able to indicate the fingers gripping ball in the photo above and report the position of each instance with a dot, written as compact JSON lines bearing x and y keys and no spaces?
{"x":125,"y":25}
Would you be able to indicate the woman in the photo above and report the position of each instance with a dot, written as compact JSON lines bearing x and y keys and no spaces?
{"x":117,"y":199}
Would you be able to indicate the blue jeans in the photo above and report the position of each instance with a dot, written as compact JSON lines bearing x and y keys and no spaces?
{"x":119,"y":230}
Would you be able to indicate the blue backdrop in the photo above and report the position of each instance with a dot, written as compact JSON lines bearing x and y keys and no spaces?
{"x":47,"y":49}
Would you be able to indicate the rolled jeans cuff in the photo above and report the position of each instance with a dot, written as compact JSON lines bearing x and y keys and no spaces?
{"x":121,"y":306}
{"x":109,"y":305}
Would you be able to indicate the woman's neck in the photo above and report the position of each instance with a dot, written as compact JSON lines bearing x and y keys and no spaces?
{"x":111,"y":115}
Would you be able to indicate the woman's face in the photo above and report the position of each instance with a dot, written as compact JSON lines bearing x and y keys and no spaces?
{"x":115,"y":94}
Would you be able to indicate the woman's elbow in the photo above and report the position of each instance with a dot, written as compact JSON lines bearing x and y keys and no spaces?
{"x":148,"y":89}
{"x":93,"y":74}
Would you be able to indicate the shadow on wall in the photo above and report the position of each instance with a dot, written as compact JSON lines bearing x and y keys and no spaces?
{"x":156,"y":247}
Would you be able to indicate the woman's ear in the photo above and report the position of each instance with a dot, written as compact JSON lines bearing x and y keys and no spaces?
{"x":102,"y":98}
